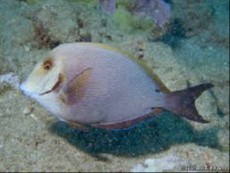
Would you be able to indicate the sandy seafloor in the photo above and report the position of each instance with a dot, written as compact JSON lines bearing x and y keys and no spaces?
{"x":31,"y":139}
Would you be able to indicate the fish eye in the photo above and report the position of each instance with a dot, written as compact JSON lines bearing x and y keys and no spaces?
{"x":47,"y":65}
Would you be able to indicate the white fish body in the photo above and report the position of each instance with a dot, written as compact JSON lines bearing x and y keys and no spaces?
{"x":117,"y":85}
{"x":91,"y":83}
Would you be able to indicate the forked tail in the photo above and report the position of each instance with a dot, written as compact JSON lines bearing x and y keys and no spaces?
{"x":183,"y":102}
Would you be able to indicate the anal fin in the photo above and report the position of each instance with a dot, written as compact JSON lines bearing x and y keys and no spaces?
{"x":78,"y":126}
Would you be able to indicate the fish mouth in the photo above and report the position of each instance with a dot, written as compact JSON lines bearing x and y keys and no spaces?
{"x":55,"y":87}
{"x":24,"y":90}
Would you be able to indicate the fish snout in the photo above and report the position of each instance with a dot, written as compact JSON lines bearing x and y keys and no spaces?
{"x":24,"y":90}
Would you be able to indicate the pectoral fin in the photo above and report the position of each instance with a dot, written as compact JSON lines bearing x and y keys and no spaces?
{"x":75,"y":88}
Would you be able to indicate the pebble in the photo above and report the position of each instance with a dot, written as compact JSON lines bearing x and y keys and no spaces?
{"x":11,"y":79}
{"x":28,"y":110}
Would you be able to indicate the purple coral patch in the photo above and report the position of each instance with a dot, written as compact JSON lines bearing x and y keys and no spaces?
{"x":158,"y":10}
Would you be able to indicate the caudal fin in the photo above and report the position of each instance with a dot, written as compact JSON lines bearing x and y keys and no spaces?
{"x":183,"y":102}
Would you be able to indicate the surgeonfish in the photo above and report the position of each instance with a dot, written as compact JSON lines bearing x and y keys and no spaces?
{"x":95,"y":85}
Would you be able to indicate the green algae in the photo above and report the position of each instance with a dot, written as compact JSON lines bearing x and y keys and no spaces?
{"x":32,"y":2}
{"x":128,"y":22}
{"x":88,"y":3}
{"x":4,"y":87}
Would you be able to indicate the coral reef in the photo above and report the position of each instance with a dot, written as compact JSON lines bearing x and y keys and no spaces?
{"x":179,"y":160}
{"x":127,"y":22}
{"x":11,"y":79}
{"x":190,"y":49}
{"x":196,"y":16}
{"x":108,"y":6}
{"x":158,"y":10}
{"x":41,"y":35}
{"x":164,"y":164}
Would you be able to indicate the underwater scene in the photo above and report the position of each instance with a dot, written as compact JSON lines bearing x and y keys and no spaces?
{"x":114,"y":85}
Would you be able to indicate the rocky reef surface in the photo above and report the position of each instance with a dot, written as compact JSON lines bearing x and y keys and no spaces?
{"x":191,"y":48}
